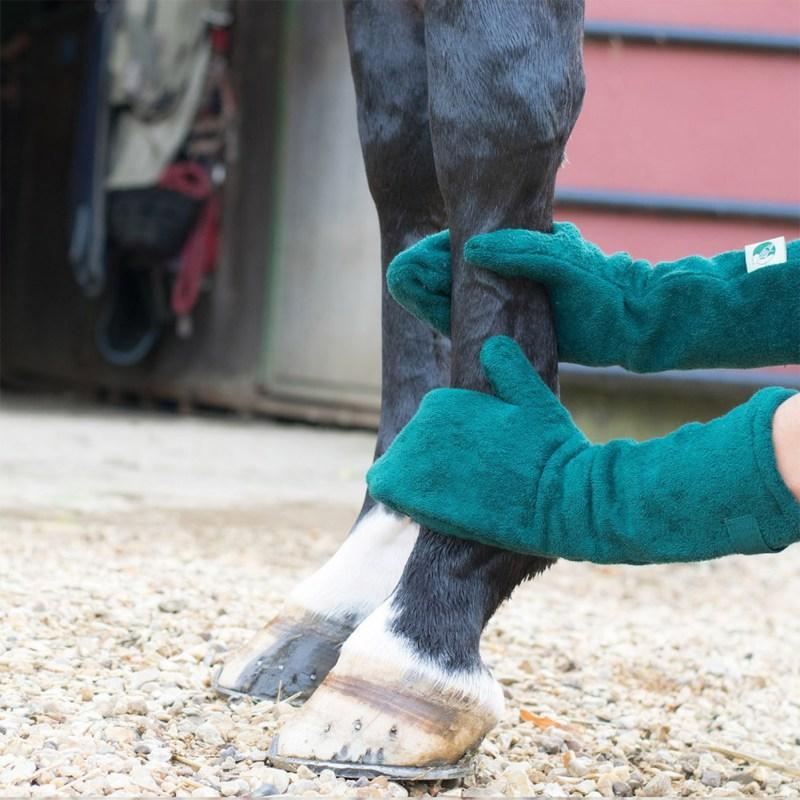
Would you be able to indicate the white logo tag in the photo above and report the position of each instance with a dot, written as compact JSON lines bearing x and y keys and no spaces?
{"x":765,"y":254}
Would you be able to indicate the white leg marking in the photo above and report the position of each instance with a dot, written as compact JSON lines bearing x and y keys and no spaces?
{"x":353,"y":582}
{"x":363,"y":571}
{"x":374,"y":639}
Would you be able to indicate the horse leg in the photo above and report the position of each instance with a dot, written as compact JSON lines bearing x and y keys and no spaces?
{"x":410,"y":689}
{"x":296,"y":649}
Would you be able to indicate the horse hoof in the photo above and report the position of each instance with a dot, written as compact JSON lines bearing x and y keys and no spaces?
{"x":288,"y":658}
{"x":384,"y":710}
{"x":292,"y":654}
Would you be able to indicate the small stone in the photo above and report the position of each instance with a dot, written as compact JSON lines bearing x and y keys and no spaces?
{"x":551,"y":790}
{"x":86,"y":693}
{"x":159,"y":755}
{"x":586,"y":786}
{"x":140,"y":678}
{"x":730,"y":789}
{"x":172,"y":606}
{"x":636,"y":781}
{"x":261,"y":774}
{"x":621,"y":773}
{"x":273,"y":777}
{"x":232,"y":788}
{"x":54,"y":710}
{"x":118,"y":780}
{"x":605,"y":783}
{"x":305,"y":773}
{"x":208,"y":774}
{"x":209,"y":734}
{"x":517,"y":776}
{"x":552,"y":745}
{"x":327,"y":776}
{"x":96,"y":786}
{"x":621,"y":789}
{"x":576,"y":767}
{"x":305,"y":785}
{"x":659,"y":786}
{"x":70,"y":771}
{"x":205,"y":791}
{"x":761,"y":774}
{"x":141,"y":777}
{"x":689,"y":763}
{"x":711,"y":777}
{"x":266,"y":790}
{"x":136,"y":706}
{"x":742,"y":777}
{"x":497,"y":787}
{"x":22,"y":769}
{"x":120,"y":734}
{"x":141,"y":749}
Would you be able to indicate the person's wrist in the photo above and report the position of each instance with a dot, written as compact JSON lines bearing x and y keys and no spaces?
{"x":784,"y":528}
{"x":562,"y":487}
{"x":786,"y":443}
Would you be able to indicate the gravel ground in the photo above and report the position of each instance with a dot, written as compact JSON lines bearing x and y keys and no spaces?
{"x":137,"y":548}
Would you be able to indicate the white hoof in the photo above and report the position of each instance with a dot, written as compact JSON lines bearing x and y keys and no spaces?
{"x":383,"y":705}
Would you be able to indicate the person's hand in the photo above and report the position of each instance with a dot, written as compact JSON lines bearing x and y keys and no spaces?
{"x":614,"y":310}
{"x":470,"y":464}
{"x":514,"y":471}
{"x":419,"y":279}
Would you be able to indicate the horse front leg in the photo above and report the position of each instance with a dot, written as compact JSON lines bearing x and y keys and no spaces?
{"x":410,"y":693}
{"x":292,"y":654}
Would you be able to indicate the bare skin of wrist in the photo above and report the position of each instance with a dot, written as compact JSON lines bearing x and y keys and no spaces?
{"x":786,"y":441}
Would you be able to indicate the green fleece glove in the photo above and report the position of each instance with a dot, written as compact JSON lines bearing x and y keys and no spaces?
{"x":612,"y":309}
{"x":515,"y":472}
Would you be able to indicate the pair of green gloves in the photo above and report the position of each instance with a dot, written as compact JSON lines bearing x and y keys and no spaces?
{"x":513,"y":471}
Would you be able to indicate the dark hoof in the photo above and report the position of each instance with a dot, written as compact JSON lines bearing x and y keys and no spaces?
{"x":288,"y":658}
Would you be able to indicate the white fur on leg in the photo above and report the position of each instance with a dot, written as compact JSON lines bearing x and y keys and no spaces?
{"x":333,"y":600}
{"x":363,"y":571}
{"x":374,"y":637}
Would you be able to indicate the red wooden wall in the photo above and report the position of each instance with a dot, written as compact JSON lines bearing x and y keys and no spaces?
{"x":697,"y":123}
